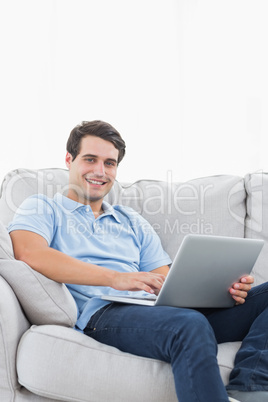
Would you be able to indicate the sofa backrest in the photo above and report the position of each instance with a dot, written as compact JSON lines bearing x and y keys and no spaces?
{"x":21,"y":183}
{"x":216,"y":205}
{"x":256,"y":223}
{"x":210,"y":205}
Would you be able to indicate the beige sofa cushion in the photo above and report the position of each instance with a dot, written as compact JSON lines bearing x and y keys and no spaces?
{"x":21,"y":183}
{"x":212,"y":205}
{"x":43,"y":300}
{"x":103,"y":373}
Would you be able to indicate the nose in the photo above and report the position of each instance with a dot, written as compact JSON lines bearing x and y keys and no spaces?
{"x":99,"y":169}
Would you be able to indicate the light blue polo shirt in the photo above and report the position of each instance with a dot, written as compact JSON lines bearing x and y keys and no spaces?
{"x":119,"y":239}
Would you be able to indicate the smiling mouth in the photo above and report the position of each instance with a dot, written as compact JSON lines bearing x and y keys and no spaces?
{"x":98,"y":182}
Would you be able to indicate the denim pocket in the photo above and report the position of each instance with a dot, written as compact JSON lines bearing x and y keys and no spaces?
{"x":92,"y":323}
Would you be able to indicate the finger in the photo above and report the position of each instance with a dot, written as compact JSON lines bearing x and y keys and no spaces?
{"x":147,"y":288}
{"x":242,"y":295}
{"x":242,"y":286}
{"x":239,"y":300}
{"x":155,"y":286}
{"x":238,"y":294}
{"x":156,"y":279}
{"x":150,"y":283}
{"x":247,"y":279}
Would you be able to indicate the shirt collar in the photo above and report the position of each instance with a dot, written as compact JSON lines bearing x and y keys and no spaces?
{"x":109,"y":210}
{"x":70,"y":206}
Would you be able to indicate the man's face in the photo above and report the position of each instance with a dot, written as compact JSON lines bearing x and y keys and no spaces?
{"x":93,"y":171}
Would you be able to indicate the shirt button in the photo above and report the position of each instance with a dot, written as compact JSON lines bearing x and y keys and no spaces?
{"x":87,"y":209}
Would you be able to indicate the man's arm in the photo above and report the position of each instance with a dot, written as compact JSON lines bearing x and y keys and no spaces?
{"x":161,"y":270}
{"x":35,"y":251}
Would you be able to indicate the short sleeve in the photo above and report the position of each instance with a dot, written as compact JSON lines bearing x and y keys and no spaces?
{"x":36,"y":215}
{"x":152,"y":254}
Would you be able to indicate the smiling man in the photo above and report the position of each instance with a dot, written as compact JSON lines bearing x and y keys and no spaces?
{"x":98,"y":249}
{"x":92,"y":170}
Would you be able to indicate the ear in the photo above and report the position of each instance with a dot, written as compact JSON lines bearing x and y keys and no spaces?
{"x":68,"y":160}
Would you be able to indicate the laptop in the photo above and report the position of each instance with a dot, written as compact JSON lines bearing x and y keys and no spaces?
{"x":204,"y":269}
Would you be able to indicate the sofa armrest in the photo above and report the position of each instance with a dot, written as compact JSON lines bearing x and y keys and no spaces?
{"x":13,"y":324}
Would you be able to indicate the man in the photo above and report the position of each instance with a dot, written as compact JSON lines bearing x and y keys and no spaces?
{"x":97,"y":249}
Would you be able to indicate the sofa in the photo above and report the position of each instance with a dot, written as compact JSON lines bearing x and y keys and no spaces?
{"x":42,"y":358}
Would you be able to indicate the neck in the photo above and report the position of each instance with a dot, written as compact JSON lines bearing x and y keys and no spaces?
{"x":96,"y":205}
{"x":97,"y":213}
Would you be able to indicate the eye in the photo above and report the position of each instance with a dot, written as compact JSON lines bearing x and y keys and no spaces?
{"x":110,"y":164}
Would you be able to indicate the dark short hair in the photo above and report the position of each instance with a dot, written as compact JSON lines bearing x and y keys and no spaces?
{"x":99,"y":129}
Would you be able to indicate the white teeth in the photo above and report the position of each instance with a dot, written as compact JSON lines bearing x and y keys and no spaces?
{"x":94,"y":181}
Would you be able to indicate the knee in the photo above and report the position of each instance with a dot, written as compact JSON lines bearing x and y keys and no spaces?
{"x":196,"y":335}
{"x":196,"y":326}
{"x":196,"y":319}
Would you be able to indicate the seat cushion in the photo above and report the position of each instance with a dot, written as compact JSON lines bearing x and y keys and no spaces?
{"x":45,"y":366}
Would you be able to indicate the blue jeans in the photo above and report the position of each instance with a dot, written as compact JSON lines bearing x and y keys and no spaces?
{"x":187,"y":339}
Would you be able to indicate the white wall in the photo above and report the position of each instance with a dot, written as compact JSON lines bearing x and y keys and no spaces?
{"x":184,"y":81}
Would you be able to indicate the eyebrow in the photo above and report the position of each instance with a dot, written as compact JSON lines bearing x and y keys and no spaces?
{"x":96,"y":156}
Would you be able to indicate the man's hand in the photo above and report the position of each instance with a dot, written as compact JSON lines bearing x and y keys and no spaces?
{"x":239,"y":290}
{"x":135,"y":281}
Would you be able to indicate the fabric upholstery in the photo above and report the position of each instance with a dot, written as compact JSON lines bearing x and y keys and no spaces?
{"x":21,"y":183}
{"x":256,"y":222}
{"x":211,"y":205}
{"x":43,"y":300}
{"x":123,"y":377}
{"x":54,"y":347}
{"x":6,"y":249}
{"x":12,"y":325}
